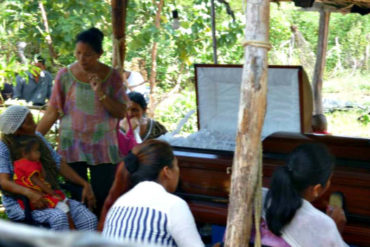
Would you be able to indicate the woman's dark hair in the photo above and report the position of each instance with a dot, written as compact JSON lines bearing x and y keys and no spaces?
{"x":139,"y":99}
{"x":308,"y":165}
{"x":146,"y":160}
{"x":94,"y":37}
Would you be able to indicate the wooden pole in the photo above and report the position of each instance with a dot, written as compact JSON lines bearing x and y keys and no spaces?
{"x":214,"y":39}
{"x":320,"y":60}
{"x":251,"y":116}
{"x":153,"y":70}
{"x":119,"y":10}
{"x":48,"y":38}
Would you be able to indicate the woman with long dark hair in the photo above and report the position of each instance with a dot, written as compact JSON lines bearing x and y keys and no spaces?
{"x":287,"y":204}
{"x":149,"y":214}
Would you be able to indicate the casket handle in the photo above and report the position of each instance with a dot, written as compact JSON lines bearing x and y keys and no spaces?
{"x":228,"y":170}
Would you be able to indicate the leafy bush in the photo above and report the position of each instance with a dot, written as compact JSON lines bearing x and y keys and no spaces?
{"x":175,"y":109}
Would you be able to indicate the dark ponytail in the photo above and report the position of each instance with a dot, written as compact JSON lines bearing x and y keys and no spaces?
{"x":308,"y":165}
{"x":146,"y":160}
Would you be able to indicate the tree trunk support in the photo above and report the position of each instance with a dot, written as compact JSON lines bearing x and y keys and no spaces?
{"x":153,"y":71}
{"x":214,"y":39}
{"x":320,"y":60}
{"x":48,"y":38}
{"x":119,"y":10}
{"x":244,"y":180}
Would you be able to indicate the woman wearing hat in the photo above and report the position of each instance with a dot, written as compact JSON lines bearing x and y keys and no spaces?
{"x":15,"y":122}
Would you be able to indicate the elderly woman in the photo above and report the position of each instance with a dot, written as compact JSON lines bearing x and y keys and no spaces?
{"x":15,"y":122}
{"x":146,"y":128}
{"x":88,"y":97}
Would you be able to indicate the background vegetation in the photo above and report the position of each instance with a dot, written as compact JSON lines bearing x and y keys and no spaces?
{"x":346,"y":75}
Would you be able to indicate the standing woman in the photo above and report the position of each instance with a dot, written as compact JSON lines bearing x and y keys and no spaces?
{"x":89,"y":98}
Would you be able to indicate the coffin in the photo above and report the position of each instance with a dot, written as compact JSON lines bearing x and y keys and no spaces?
{"x":205,"y":172}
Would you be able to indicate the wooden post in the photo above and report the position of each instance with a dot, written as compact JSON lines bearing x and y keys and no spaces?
{"x":214,"y":39}
{"x":153,"y":70}
{"x":251,"y":116}
{"x":48,"y":38}
{"x":119,"y":10}
{"x":320,"y":60}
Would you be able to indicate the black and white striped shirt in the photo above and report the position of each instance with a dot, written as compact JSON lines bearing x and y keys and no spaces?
{"x":148,"y":215}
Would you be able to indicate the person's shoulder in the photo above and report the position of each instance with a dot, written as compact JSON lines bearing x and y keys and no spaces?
{"x":3,"y":147}
{"x":63,"y":70}
{"x":41,"y":137}
{"x":312,"y":216}
{"x":176,"y":201}
{"x":115,"y":74}
{"x":48,"y":74}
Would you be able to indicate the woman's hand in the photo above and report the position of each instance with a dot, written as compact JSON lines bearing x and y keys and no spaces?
{"x":95,"y":82}
{"x":88,"y":196}
{"x":338,"y":215}
{"x":134,"y":123}
{"x":37,"y":200}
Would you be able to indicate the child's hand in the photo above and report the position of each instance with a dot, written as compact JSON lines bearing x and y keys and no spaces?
{"x":37,"y":200}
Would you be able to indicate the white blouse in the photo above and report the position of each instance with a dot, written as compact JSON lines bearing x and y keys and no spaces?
{"x":148,"y":215}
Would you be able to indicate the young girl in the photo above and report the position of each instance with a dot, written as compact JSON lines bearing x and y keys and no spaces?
{"x":28,"y":172}
{"x":287,"y":204}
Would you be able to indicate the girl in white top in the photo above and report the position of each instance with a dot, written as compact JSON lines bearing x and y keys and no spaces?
{"x":287,"y":204}
{"x":148,"y":214}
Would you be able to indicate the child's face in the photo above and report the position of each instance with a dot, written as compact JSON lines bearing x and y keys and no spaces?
{"x":34,"y":154}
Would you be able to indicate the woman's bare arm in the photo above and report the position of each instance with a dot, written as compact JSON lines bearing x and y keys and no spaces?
{"x":44,"y":187}
{"x":50,"y":117}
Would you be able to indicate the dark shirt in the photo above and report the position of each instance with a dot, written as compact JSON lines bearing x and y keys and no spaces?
{"x":32,"y":91}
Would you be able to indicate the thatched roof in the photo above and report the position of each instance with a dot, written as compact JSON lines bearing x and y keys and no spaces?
{"x":345,"y":6}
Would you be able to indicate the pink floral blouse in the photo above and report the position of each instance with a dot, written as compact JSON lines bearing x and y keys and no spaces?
{"x":87,"y":130}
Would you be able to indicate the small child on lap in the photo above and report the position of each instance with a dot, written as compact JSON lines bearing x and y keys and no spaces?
{"x":28,"y":172}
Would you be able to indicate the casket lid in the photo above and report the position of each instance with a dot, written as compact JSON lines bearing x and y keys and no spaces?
{"x":289,"y":99}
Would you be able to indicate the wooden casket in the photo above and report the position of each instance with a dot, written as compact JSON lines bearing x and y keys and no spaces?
{"x":205,"y":172}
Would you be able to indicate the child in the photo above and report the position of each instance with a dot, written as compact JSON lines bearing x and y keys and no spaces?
{"x":28,"y":172}
{"x":319,"y":124}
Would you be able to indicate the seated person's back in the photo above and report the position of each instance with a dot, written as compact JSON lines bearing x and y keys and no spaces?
{"x":37,"y":87}
{"x":287,"y":204}
{"x":149,"y":215}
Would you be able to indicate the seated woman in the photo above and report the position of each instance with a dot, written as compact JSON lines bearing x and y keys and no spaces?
{"x":287,"y":204}
{"x":17,"y":122}
{"x":146,"y":128}
{"x":148,"y":214}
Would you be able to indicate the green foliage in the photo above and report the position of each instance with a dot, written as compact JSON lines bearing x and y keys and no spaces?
{"x":353,"y":122}
{"x":178,"y":49}
{"x":175,"y":109}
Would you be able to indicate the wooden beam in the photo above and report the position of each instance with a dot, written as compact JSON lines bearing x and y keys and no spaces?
{"x":252,"y":108}
{"x":214,"y":39}
{"x":119,"y":10}
{"x":320,"y":60}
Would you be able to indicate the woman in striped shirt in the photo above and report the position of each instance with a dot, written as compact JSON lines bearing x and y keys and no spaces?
{"x":148,"y":214}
